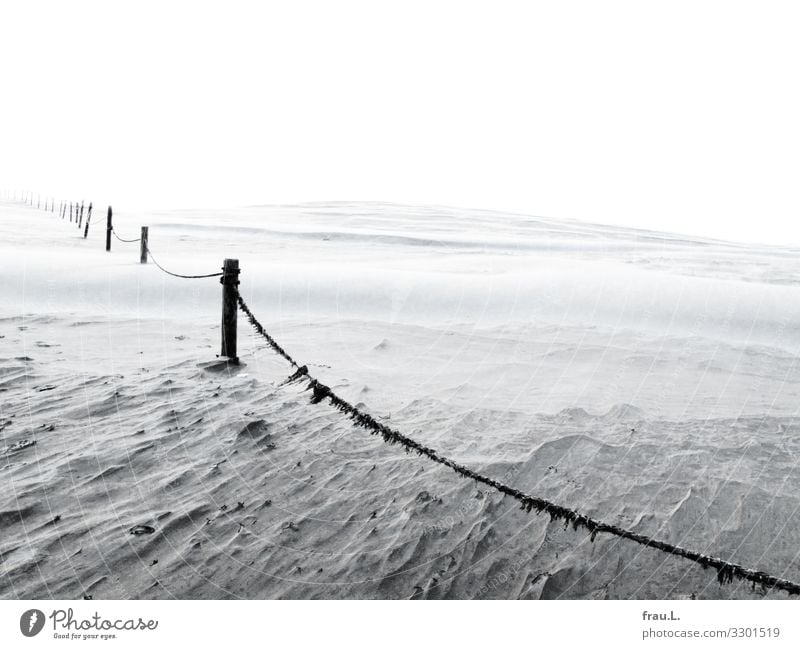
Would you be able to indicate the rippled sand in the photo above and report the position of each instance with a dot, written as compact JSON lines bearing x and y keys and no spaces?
{"x":647,"y":380}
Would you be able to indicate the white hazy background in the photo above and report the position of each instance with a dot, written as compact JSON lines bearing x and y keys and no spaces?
{"x":679,"y":116}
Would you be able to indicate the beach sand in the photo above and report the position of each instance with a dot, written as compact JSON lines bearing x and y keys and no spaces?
{"x":646,"y":379}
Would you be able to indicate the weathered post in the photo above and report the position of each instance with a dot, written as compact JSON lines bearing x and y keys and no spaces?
{"x":70,"y":211}
{"x":230,"y":308}
{"x":52,"y":205}
{"x":108,"y":230}
{"x":143,"y":245}
{"x":80,"y":221}
{"x":88,"y":218}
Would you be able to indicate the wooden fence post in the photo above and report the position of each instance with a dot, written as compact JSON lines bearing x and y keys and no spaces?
{"x":108,"y":230}
{"x":230,"y":308}
{"x":70,"y":211}
{"x":80,"y":221}
{"x":143,"y":245}
{"x":88,"y":218}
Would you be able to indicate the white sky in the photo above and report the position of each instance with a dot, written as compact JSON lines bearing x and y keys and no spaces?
{"x":680,"y":116}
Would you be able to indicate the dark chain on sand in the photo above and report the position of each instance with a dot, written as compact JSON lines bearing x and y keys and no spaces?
{"x":169,"y":272}
{"x":114,"y":232}
{"x":726,"y":571}
{"x":159,"y":266}
{"x":261,"y":331}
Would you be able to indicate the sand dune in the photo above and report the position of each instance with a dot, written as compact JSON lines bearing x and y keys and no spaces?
{"x":646,"y":379}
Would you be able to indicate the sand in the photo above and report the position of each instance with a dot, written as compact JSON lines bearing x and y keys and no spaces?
{"x":646,"y":379}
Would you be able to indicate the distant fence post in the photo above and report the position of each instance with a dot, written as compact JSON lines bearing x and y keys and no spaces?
{"x":230,"y":309}
{"x":80,"y":222}
{"x":108,"y":230}
{"x":143,"y":245}
{"x":88,"y":218}
{"x":70,"y":211}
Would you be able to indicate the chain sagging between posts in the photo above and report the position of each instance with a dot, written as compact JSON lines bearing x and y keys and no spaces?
{"x":726,"y":570}
{"x":75,"y":209}
{"x":232,"y":301}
